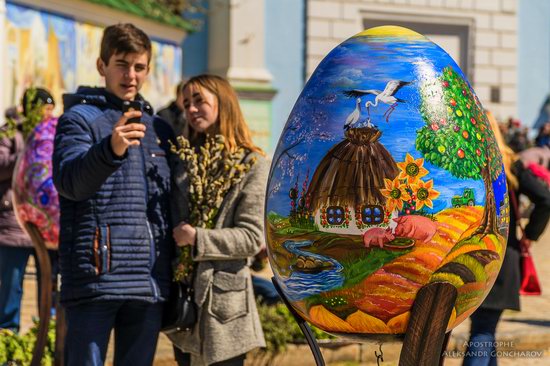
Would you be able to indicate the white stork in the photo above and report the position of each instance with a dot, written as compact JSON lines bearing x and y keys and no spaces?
{"x":353,"y":116}
{"x":386,"y":96}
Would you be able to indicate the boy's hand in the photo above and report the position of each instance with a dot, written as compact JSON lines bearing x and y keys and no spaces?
{"x":125,"y":135}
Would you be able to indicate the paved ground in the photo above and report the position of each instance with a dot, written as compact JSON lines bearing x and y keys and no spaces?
{"x":525,"y":335}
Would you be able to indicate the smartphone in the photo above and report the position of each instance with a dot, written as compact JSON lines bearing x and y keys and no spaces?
{"x":133,"y":105}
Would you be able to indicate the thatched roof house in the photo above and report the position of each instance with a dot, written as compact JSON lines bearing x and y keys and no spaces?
{"x":348,"y":180}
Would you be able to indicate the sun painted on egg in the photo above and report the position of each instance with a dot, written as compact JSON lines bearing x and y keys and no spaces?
{"x":386,"y":178}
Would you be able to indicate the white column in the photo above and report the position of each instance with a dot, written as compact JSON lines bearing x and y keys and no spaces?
{"x":3,"y":55}
{"x":237,"y":40}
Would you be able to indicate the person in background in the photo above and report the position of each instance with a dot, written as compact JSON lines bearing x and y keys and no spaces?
{"x":173,"y":113}
{"x":14,"y":113}
{"x":543,"y":137}
{"x":15,"y":245}
{"x":537,"y":155}
{"x":42,"y":96}
{"x":517,"y":139}
{"x":228,"y":325}
{"x":113,"y":179}
{"x":505,"y":292}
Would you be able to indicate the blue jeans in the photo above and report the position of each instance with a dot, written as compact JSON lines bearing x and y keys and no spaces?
{"x":481,"y":346}
{"x":13,"y":261}
{"x":136,"y":324}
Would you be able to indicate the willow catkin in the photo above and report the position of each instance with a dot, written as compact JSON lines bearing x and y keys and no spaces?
{"x":212,"y":172}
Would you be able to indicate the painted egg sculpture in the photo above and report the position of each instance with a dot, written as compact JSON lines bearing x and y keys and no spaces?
{"x":35,"y":197}
{"x":386,"y":178}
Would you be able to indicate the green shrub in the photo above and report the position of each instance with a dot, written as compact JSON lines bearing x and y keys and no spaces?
{"x":16,"y":349}
{"x":281,"y":328}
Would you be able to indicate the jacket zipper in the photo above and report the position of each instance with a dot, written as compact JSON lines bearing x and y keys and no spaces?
{"x":151,"y":239}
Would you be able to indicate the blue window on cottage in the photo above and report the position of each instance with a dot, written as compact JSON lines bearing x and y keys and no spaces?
{"x":336,"y":215}
{"x":372,"y":215}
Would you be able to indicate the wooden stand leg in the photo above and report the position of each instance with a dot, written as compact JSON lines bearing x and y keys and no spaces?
{"x":304,"y":327}
{"x":45,"y":284}
{"x":444,"y":348}
{"x":425,"y":336}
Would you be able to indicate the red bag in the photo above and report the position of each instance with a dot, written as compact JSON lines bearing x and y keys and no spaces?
{"x":530,"y":284}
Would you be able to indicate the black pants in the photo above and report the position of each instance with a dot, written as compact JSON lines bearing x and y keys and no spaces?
{"x":184,"y":359}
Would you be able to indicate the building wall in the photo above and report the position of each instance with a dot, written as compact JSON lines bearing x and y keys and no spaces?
{"x":534,"y":58}
{"x":492,"y":36}
{"x":195,"y":46}
{"x":284,"y":58}
{"x":232,"y":43}
{"x":257,"y":113}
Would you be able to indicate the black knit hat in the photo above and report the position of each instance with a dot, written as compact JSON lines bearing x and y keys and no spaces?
{"x":41,"y":95}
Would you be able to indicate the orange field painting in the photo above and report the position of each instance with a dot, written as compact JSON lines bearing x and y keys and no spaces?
{"x":383,"y":299}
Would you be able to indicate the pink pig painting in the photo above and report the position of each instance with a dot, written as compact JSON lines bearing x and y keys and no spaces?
{"x":412,"y":226}
{"x":377,"y":236}
{"x":415,"y":227}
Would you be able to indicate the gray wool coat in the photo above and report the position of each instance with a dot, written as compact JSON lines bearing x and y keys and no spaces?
{"x":228,"y":323}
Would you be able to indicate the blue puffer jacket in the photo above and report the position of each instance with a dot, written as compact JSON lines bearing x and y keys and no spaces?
{"x":115,"y":230}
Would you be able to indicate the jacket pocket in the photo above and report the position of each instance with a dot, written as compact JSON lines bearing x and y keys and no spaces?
{"x":102,"y":249}
{"x":229,"y":297}
{"x":157,"y":153}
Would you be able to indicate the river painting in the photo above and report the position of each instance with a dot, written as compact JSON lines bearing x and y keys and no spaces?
{"x":303,"y":283}
{"x":386,"y":178}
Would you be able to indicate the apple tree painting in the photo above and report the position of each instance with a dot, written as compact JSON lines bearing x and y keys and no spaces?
{"x":458,"y":138}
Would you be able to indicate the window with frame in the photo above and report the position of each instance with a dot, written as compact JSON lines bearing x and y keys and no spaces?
{"x":336,"y":215}
{"x":372,"y":215}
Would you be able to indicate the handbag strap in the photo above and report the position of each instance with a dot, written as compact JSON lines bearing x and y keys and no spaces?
{"x":515,"y":206}
{"x":189,"y":281}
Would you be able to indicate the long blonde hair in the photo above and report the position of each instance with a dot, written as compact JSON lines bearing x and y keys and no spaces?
{"x":509,"y":157}
{"x":231,"y":123}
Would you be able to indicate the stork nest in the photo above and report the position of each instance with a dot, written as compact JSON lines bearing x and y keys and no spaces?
{"x":363,"y":135}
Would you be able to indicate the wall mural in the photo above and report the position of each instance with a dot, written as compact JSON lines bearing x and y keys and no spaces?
{"x":59,"y":53}
{"x":386,"y":178}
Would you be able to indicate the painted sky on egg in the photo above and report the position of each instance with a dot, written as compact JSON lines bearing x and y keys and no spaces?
{"x":317,"y":119}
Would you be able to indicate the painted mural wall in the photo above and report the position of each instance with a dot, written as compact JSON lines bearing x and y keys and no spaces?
{"x":60,"y":53}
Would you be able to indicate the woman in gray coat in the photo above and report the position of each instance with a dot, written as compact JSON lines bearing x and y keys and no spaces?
{"x":228,"y":325}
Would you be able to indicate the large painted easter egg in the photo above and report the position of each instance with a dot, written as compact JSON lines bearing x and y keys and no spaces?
{"x":35,"y":198}
{"x":386,"y":178}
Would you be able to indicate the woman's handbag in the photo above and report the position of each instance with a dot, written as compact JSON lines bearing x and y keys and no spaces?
{"x":180,"y":311}
{"x":530,"y":284}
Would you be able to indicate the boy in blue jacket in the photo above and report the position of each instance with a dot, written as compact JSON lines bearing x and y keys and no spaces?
{"x":113,"y":180}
